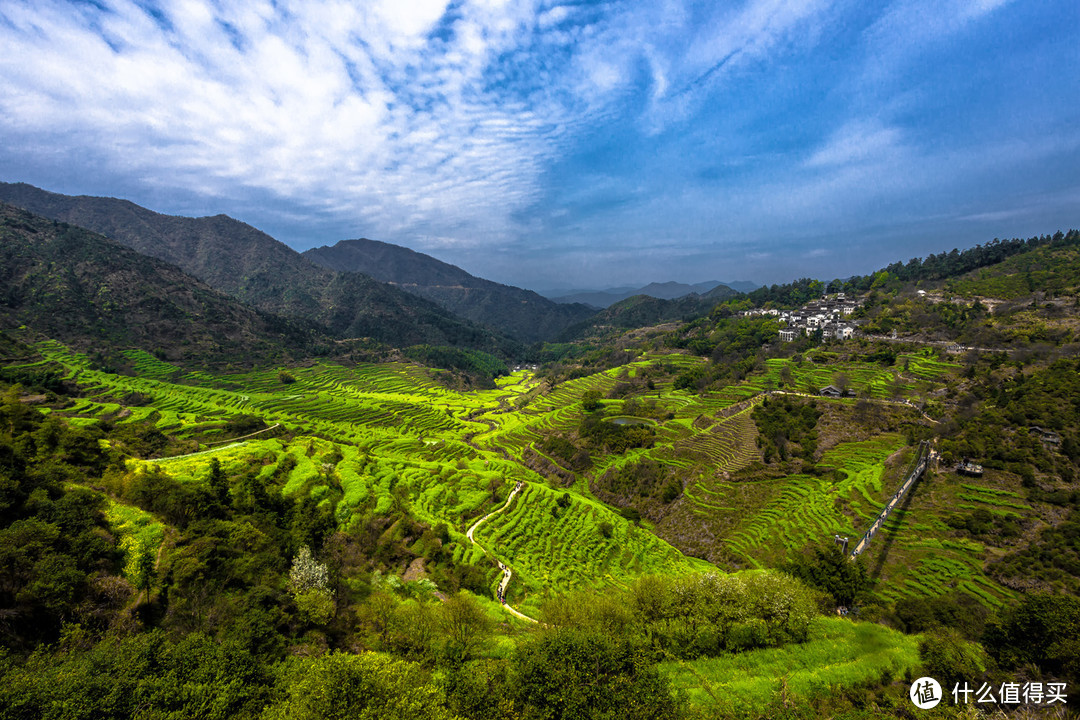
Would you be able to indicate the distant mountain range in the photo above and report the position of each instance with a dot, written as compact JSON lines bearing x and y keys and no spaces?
{"x":354,"y":289}
{"x":644,"y":310}
{"x":521,"y":314}
{"x":663,"y":291}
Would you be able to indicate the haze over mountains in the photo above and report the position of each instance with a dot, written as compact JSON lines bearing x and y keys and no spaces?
{"x":670,"y":290}
{"x":253,"y":267}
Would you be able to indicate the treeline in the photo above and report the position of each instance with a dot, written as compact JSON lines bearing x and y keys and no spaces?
{"x":472,"y":362}
{"x":932,"y":267}
{"x":956,"y":262}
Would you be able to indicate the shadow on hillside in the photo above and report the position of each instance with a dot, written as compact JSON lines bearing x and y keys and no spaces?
{"x":885,"y":538}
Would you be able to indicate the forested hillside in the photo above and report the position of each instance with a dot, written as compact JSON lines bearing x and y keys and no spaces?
{"x":253,"y":267}
{"x":521,"y":314}
{"x":79,"y":287}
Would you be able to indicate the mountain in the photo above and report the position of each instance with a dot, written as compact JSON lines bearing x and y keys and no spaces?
{"x":664,"y":291}
{"x":521,"y":314}
{"x":644,"y":310}
{"x":248,"y":264}
{"x":94,"y":294}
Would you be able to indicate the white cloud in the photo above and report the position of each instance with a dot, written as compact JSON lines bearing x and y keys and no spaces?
{"x":359,"y":111}
{"x":423,"y":119}
{"x":857,"y":142}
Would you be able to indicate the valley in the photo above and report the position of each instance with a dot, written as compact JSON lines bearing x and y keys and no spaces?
{"x":671,"y":491}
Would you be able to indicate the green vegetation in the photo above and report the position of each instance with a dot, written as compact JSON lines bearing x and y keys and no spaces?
{"x":290,"y":539}
{"x":838,"y":654}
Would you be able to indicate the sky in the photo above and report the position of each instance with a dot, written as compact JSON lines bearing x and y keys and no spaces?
{"x":564,"y":144}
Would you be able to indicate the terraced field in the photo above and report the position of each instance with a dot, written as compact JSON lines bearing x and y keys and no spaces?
{"x":925,"y":555}
{"x":383,"y":437}
{"x":807,"y":508}
{"x":375,"y":439}
{"x":550,"y":546}
{"x":838,"y":653}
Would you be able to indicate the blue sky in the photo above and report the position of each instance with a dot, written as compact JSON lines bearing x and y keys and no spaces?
{"x":574,"y":144}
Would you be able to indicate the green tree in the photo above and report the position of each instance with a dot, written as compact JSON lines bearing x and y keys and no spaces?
{"x":464,"y":625}
{"x":145,"y":569}
{"x":1043,"y":630}
{"x":590,"y":400}
{"x":342,"y":686}
{"x":827,"y":568}
{"x":949,"y":659}
{"x":569,"y":673}
{"x":218,"y":482}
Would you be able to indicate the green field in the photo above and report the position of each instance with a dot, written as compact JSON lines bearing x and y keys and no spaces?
{"x":373,"y":440}
{"x":839,"y":653}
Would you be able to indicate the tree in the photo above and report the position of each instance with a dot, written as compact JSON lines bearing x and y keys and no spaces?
{"x":1043,"y":630}
{"x":342,"y":686}
{"x":219,"y":483}
{"x":309,"y":581}
{"x":842,"y":382}
{"x":947,"y":658}
{"x":590,"y":400}
{"x":827,"y":567}
{"x":570,"y":673}
{"x":464,"y":624}
{"x":145,"y":568}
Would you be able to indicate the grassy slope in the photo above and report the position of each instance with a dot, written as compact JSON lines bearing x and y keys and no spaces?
{"x":839,"y":653}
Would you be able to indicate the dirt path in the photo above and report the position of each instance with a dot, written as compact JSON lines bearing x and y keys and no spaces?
{"x":232,"y":442}
{"x":507,"y":573}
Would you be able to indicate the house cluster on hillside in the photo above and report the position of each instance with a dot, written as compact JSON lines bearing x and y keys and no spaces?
{"x":827,"y":314}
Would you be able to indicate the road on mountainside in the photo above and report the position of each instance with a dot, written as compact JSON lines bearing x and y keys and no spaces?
{"x":507,"y":574}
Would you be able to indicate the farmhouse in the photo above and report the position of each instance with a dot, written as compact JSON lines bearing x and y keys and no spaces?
{"x":1049,"y":437}
{"x":968,"y":467}
{"x":789,"y":334}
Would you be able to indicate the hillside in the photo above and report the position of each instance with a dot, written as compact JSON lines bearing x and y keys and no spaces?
{"x":664,"y":502}
{"x":76,"y":286}
{"x":641,"y":311}
{"x":253,"y":267}
{"x":521,"y":314}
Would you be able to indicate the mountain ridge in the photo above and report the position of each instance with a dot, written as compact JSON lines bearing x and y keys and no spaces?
{"x":523,"y":314}
{"x":669,"y":290}
{"x":79,"y":287}
{"x":250,"y":265}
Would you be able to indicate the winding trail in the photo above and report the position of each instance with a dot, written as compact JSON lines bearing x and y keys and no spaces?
{"x":507,"y":573}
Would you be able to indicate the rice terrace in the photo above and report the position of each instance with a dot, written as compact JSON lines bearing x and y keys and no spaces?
{"x":488,"y":360}
{"x":386,"y":439}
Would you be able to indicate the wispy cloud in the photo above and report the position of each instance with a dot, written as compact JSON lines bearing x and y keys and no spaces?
{"x":570,"y":132}
{"x":407,"y":115}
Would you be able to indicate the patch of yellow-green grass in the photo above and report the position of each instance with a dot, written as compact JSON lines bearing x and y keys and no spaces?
{"x":138,"y":532}
{"x":839,"y":653}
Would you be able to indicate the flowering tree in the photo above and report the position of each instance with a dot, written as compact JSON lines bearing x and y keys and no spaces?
{"x":309,"y":581}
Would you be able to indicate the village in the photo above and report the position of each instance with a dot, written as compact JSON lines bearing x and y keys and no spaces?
{"x":826,"y":314}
